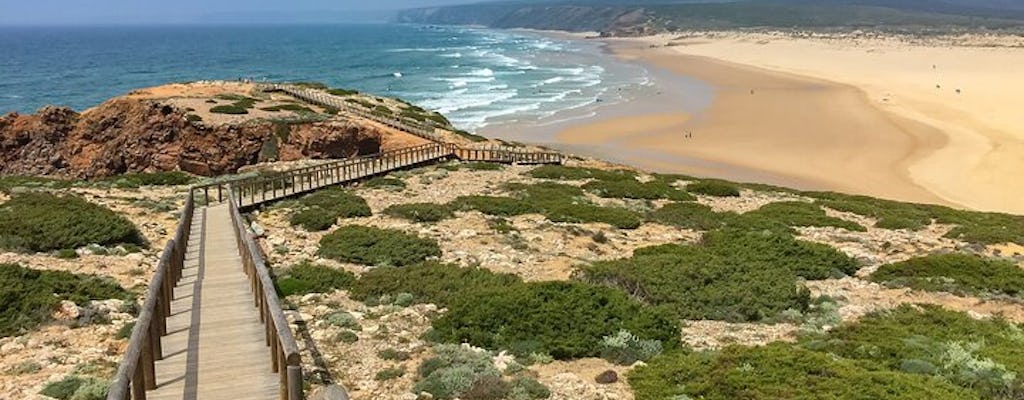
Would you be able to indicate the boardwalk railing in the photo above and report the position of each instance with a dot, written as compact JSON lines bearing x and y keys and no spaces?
{"x":320,"y":97}
{"x":256,"y":190}
{"x":137,"y":372}
{"x":284,"y":352}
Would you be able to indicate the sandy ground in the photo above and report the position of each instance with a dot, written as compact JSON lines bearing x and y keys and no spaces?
{"x":929,"y":122}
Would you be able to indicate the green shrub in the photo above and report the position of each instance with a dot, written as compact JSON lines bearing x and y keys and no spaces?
{"x":92,"y":389}
{"x":15,"y":181}
{"x":564,"y":319}
{"x":64,"y":388}
{"x":954,"y":273}
{"x":28,"y":296}
{"x":420,"y":212}
{"x":392,"y":354}
{"x":433,"y":283}
{"x":809,"y":260}
{"x":972,"y":226}
{"x":167,"y":178}
{"x":578,"y":173}
{"x":625,"y":348}
{"x":778,"y":371}
{"x":493,"y":205}
{"x":346,"y":336}
{"x":35,"y":222}
{"x":375,"y":246}
{"x":288,"y":107}
{"x":342,"y":92}
{"x":387,"y":374}
{"x":344,"y":320}
{"x":229,"y":109}
{"x":634,"y":189}
{"x":695,"y":283}
{"x":986,"y":356}
{"x":527,"y":388}
{"x":384,"y":182}
{"x":798,"y":213}
{"x":688,"y":215}
{"x":472,"y":137}
{"x":453,"y":371}
{"x":320,"y":210}
{"x":714,"y":188}
{"x":67,"y":254}
{"x":306,"y":277}
{"x":566,"y":203}
{"x":193,"y":118}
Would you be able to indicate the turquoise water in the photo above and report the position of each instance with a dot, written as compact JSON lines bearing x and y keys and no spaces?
{"x":477,"y":77}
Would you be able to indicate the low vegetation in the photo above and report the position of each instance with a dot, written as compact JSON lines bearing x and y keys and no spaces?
{"x":375,"y":246}
{"x":777,"y":371}
{"x":430,"y":282}
{"x":557,"y":202}
{"x":798,"y":213}
{"x":28,"y":296}
{"x":381,"y":182}
{"x":562,"y":172}
{"x":954,"y":273}
{"x":688,"y":215}
{"x":972,"y":226}
{"x":714,"y":188}
{"x":307,"y":277}
{"x":634,"y":189}
{"x":985,"y":356}
{"x":694,"y":282}
{"x":323,"y":208}
{"x":461,"y":372}
{"x":136,"y":180}
{"x":919,"y":352}
{"x":241,"y":104}
{"x":420,"y":212}
{"x":808,"y":260}
{"x":289,"y":107}
{"x":9,"y":182}
{"x":36,"y":221}
{"x":566,"y":319}
{"x":75,"y":387}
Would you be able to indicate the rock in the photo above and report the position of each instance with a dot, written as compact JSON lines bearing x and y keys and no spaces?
{"x":328,"y":392}
{"x":607,"y":377}
{"x":67,"y":311}
{"x":257,"y":230}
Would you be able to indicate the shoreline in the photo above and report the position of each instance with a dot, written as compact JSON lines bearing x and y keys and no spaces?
{"x":815,"y":129}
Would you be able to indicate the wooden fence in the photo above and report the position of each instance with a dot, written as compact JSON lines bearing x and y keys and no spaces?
{"x":284,"y":352}
{"x":322,"y":98}
{"x":137,"y":372}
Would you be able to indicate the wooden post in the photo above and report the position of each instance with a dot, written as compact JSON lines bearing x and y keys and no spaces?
{"x":138,"y":384}
{"x":294,"y":382}
{"x":146,"y":363}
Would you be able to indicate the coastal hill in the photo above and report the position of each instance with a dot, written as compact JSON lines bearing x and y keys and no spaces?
{"x":631,"y":18}
{"x":203,"y":128}
{"x":585,"y":280}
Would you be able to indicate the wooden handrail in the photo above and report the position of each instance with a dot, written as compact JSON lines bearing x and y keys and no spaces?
{"x":137,"y":372}
{"x":284,"y":352}
{"x":323,"y":98}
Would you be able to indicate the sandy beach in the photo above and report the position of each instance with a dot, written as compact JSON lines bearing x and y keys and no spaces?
{"x":928,"y":121}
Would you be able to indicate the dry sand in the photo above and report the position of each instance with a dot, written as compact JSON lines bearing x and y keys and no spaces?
{"x":850,"y":114}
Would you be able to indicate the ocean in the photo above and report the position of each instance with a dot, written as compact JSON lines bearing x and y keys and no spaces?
{"x":477,"y":77}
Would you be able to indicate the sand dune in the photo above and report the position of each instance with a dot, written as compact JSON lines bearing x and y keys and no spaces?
{"x":920,"y":122}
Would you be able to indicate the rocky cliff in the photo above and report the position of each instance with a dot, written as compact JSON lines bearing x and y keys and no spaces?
{"x":142,"y":135}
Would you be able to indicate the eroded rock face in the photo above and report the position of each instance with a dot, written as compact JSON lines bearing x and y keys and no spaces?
{"x":130,"y":135}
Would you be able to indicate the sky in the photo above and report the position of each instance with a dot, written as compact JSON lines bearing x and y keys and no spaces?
{"x":99,"y":12}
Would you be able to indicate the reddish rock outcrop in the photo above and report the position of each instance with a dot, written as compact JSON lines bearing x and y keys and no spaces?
{"x":131,"y":135}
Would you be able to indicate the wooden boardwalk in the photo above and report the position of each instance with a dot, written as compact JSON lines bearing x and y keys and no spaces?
{"x":215,"y":347}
